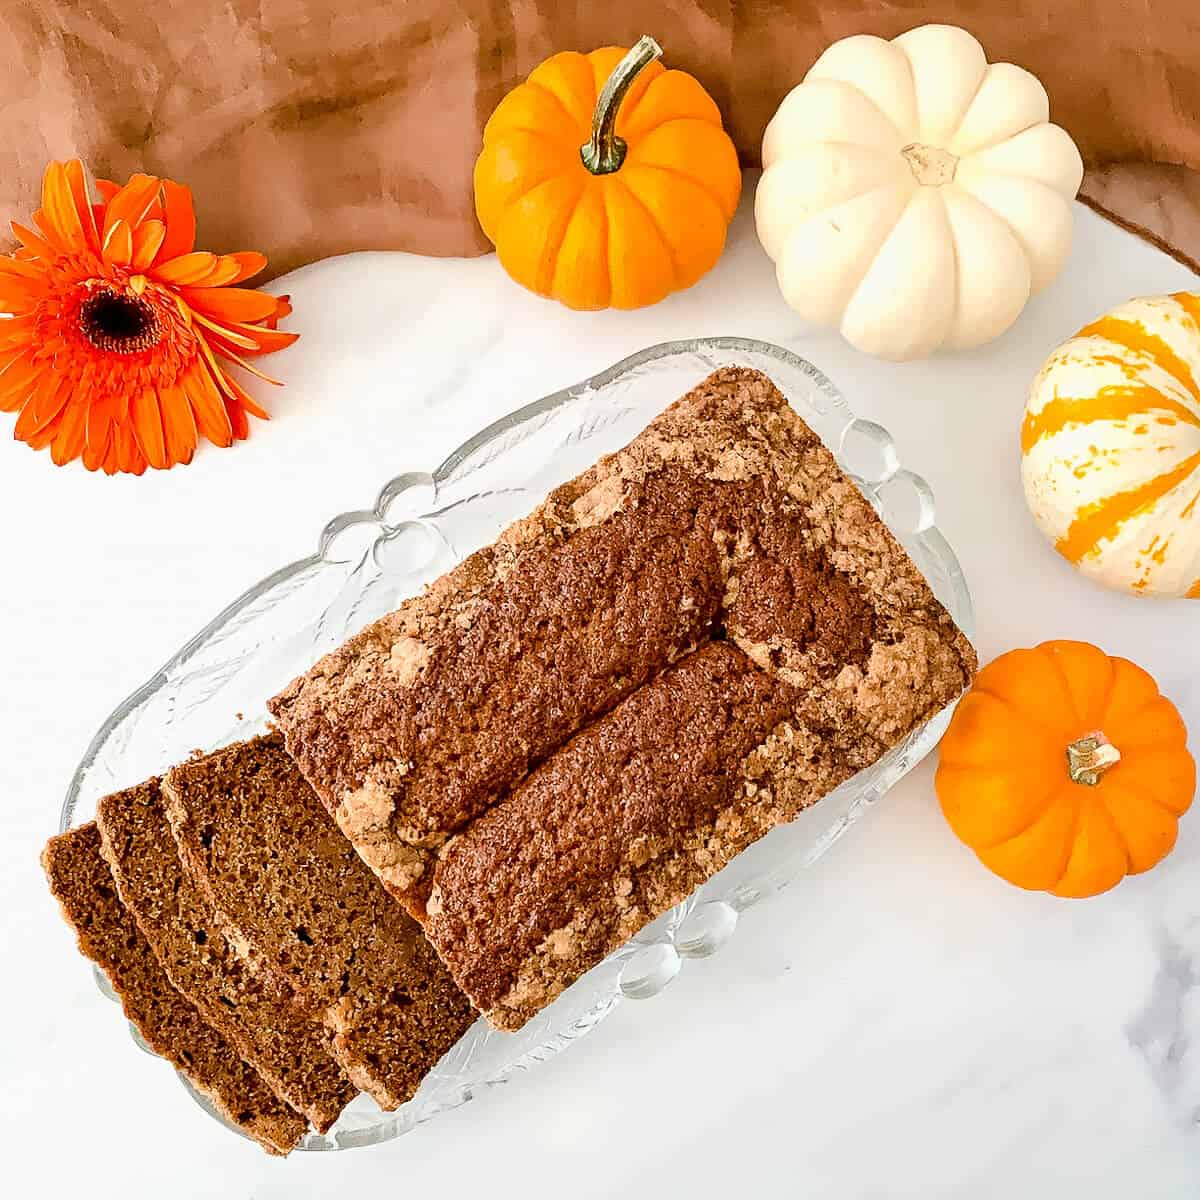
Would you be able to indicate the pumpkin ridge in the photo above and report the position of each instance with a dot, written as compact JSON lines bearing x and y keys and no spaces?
{"x":1044,"y":803}
{"x":1134,"y":337}
{"x":1144,"y":796}
{"x":1113,"y":403}
{"x":1000,"y":142}
{"x":554,"y":246}
{"x":1102,"y":809}
{"x":1057,"y":797}
{"x":954,"y":254}
{"x":1193,"y":593}
{"x":1070,"y":841}
{"x":962,"y":116}
{"x":1061,"y":671}
{"x":1024,"y":717}
{"x":1103,"y":519}
{"x":851,"y":84}
{"x":655,"y":224}
{"x":541,"y":87}
{"x":678,"y":174}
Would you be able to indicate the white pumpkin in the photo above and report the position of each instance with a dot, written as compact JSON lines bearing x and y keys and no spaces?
{"x":1111,"y":447}
{"x":913,"y":195}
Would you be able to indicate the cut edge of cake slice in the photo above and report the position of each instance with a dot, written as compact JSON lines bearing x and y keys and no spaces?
{"x":169,"y":1025}
{"x":316,"y":920}
{"x":287,"y":1049}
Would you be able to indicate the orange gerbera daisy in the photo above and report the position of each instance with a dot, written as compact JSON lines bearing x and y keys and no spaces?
{"x":118,"y":330}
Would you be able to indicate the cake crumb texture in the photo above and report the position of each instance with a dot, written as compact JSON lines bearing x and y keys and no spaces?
{"x":304,"y":911}
{"x":289,"y":1050}
{"x":107,"y":934}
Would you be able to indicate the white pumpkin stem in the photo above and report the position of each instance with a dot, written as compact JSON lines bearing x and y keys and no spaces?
{"x":605,"y":153}
{"x":1089,"y":757}
{"x":931,"y":165}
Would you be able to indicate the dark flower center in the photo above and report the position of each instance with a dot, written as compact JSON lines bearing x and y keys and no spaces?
{"x":119,"y":323}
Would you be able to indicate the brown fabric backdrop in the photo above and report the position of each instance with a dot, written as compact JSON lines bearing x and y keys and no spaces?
{"x":313,"y":127}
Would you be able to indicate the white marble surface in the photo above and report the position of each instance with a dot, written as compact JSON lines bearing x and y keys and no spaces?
{"x":898,"y":1024}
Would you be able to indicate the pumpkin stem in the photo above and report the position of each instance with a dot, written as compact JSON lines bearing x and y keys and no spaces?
{"x":605,"y":152}
{"x":1089,"y":757}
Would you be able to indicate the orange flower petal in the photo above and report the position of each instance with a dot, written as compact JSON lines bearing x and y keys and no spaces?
{"x":179,"y":425}
{"x":32,"y":242}
{"x":96,"y":448}
{"x":148,"y":428}
{"x":180,"y":220}
{"x":266,"y":341}
{"x":212,"y":419}
{"x":231,"y":303}
{"x":22,"y":285}
{"x":250,"y":262}
{"x":118,"y":244}
{"x":77,"y":182}
{"x":147,"y":239}
{"x":9,"y":354}
{"x":131,"y":203}
{"x":107,"y":190}
{"x":187,"y":268}
{"x":112,"y":458}
{"x":15,"y":335}
{"x":104,"y":411}
{"x":58,"y":217}
{"x":48,"y":400}
{"x":237,"y":419}
{"x":68,"y":441}
{"x":39,"y":441}
{"x":223,"y":333}
{"x":18,"y":376}
{"x":250,"y":367}
{"x":241,"y":396}
{"x":130,"y":458}
{"x":222,"y":273}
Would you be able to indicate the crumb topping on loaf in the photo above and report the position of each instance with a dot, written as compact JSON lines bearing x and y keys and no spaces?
{"x":726,"y":517}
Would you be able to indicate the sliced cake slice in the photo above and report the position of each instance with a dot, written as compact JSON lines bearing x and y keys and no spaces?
{"x":289,"y":1050}
{"x":302,"y":907}
{"x":172,"y":1027}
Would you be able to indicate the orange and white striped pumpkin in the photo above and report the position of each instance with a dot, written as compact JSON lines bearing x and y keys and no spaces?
{"x":1111,"y":447}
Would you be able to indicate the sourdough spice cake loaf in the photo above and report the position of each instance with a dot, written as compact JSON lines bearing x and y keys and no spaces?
{"x":290,"y":1051}
{"x":304,"y":912}
{"x":681,"y":648}
{"x":172,"y":1027}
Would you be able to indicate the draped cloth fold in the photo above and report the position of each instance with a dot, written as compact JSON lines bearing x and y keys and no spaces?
{"x":315,"y":127}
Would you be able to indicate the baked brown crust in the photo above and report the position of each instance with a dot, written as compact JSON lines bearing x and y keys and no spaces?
{"x":302,"y":909}
{"x":289,"y":1050}
{"x":171,"y":1026}
{"x":419,"y":724}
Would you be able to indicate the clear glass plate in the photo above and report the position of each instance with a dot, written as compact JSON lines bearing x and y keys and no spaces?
{"x":213,"y":690}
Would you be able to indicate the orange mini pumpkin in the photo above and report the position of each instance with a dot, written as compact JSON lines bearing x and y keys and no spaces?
{"x":1065,"y":769}
{"x":605,"y":180}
